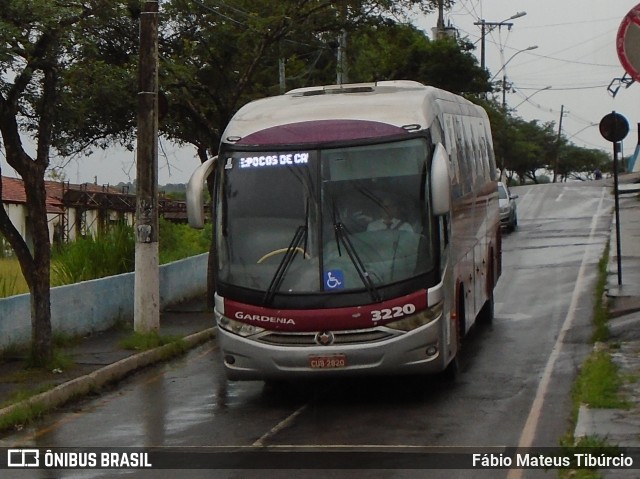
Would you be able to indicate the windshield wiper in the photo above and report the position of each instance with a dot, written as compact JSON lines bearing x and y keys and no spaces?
{"x":342,"y":236}
{"x":293,"y":248}
{"x":299,"y":238}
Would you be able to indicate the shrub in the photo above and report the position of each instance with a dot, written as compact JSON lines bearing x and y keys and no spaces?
{"x":178,"y":241}
{"x":92,"y":258}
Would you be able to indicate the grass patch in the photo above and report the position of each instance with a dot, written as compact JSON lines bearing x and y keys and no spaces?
{"x":23,"y":414}
{"x":593,"y":445}
{"x":12,"y":281}
{"x":23,"y":395}
{"x":600,"y":311}
{"x":60,"y":361}
{"x":145,"y":341}
{"x":598,"y":382}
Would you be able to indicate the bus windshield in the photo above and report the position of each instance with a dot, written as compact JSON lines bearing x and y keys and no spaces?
{"x":336,"y":220}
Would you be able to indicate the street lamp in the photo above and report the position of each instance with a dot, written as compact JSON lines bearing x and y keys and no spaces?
{"x":483,"y":28}
{"x":504,"y":73}
{"x":527,"y":98}
{"x":532,"y":47}
{"x":590,"y":125}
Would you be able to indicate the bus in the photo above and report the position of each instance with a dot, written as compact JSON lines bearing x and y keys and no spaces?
{"x":356,"y":231}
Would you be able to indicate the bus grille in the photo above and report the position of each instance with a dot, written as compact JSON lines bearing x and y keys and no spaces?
{"x":308,"y":339}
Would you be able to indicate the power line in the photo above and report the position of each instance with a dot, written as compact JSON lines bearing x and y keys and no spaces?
{"x":600,"y":20}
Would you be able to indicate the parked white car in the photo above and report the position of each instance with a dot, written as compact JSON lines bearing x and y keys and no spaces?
{"x":508,"y":210}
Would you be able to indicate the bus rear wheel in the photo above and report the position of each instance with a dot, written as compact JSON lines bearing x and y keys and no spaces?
{"x":485,"y":316}
{"x":450,"y":373}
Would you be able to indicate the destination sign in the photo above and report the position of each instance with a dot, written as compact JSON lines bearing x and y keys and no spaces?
{"x":281,"y":159}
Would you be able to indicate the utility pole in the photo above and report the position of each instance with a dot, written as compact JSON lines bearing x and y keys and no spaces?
{"x":440,"y":33}
{"x":483,"y":32}
{"x":504,"y":92}
{"x":342,"y":65}
{"x":343,"y":74}
{"x":282,"y":76}
{"x":147,"y":283}
{"x":557,"y":162}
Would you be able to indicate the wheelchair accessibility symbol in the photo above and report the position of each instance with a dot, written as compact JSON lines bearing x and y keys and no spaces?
{"x":334,"y":279}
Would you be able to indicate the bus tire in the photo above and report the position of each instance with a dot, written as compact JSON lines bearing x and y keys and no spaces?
{"x":485,"y":316}
{"x":486,"y":313}
{"x":451,"y":371}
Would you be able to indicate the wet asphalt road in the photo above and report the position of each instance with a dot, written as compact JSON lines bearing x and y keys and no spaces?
{"x":514,"y":389}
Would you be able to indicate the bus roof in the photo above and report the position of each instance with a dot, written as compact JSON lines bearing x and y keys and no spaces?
{"x":399,"y":104}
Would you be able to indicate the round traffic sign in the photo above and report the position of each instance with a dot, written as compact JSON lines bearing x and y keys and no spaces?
{"x":614,"y":127}
{"x":628,"y":42}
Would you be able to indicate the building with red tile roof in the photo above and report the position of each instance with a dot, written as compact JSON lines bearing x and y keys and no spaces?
{"x":72,"y":210}
{"x":75,"y":210}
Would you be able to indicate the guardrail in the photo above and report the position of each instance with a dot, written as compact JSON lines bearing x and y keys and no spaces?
{"x":99,"y":304}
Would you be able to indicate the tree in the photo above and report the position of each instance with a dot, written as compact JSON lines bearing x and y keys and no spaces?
{"x":531,"y":148}
{"x":580,"y":163}
{"x":39,"y":43}
{"x":219,"y":56}
{"x":397,"y":51}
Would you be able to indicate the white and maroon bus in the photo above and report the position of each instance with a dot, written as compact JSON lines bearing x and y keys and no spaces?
{"x":356,"y":231}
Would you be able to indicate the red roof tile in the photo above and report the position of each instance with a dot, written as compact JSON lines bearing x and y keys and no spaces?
{"x":13,"y":192}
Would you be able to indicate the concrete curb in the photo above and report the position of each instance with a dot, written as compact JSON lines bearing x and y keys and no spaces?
{"x":111,"y":373}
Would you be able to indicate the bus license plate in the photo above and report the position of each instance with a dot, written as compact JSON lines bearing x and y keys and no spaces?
{"x":328,"y":362}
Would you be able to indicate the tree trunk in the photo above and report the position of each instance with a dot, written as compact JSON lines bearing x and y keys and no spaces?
{"x":41,"y":345}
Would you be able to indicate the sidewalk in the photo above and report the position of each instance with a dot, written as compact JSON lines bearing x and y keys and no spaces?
{"x":622,"y":426}
{"x":99,"y":360}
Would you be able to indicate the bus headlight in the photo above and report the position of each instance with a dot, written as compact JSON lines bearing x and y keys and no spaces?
{"x":236,"y":327}
{"x":417,"y":320}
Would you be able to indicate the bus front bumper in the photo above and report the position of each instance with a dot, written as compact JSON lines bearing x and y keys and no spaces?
{"x":420,"y":351}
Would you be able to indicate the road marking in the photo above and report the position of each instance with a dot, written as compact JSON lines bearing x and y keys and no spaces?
{"x":280,"y":426}
{"x":529,"y":430}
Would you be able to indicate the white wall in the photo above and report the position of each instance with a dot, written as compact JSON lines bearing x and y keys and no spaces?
{"x":99,"y":304}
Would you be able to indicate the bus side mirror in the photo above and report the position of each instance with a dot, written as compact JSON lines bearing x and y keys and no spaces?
{"x":440,"y":182}
{"x":195,"y":192}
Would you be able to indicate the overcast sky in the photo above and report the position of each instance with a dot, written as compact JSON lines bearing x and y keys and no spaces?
{"x":575,"y":56}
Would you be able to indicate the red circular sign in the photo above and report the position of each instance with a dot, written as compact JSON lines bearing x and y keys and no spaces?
{"x":628,"y":42}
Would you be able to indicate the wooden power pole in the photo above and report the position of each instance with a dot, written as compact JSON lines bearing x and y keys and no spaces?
{"x":147,"y":283}
{"x":556,"y":165}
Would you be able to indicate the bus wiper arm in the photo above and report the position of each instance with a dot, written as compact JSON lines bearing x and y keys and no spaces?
{"x":293,"y":248}
{"x":343,"y":236}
